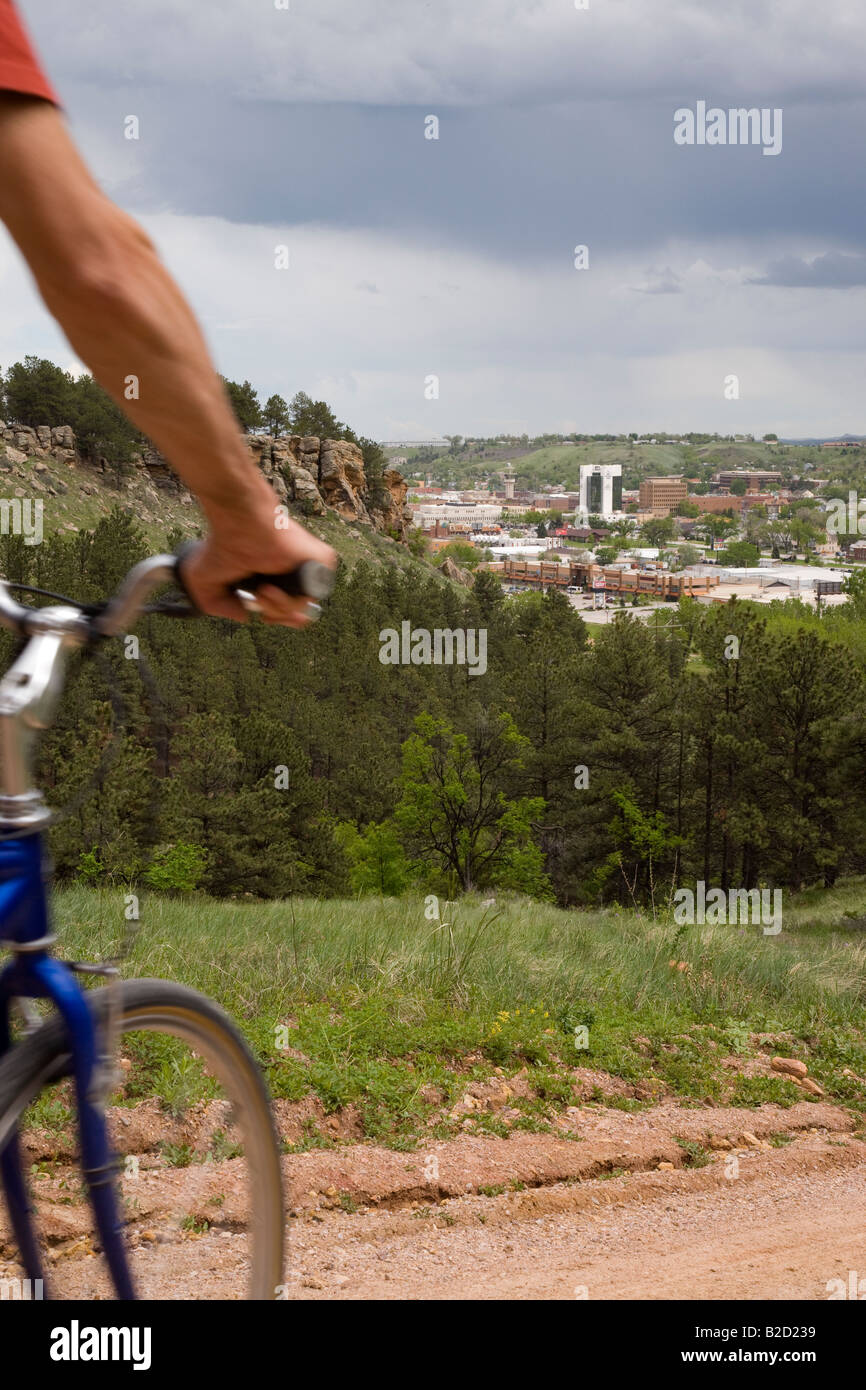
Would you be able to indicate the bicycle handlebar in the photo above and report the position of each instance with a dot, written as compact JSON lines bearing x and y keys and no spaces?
{"x":139,"y":584}
{"x":312,"y":579}
{"x":30,"y":689}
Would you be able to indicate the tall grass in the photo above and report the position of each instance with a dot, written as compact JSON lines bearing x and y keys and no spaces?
{"x":385,"y":1006}
{"x":258,"y":959}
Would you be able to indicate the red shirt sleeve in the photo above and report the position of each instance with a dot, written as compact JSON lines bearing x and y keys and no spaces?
{"x":19,"y":67}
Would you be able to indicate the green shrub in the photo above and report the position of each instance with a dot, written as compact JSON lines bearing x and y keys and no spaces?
{"x":176,"y":868}
{"x":90,"y":867}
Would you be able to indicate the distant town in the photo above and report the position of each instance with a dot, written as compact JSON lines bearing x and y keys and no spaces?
{"x":745,"y":529}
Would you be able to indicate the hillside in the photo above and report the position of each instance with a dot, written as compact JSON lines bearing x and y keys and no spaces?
{"x":559,"y":464}
{"x":322,"y":482}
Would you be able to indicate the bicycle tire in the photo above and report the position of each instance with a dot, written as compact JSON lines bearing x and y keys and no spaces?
{"x":43,"y":1058}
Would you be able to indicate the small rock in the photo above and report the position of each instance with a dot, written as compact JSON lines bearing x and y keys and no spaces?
{"x":750,"y":1140}
{"x":468,"y":1102}
{"x":812,"y":1087}
{"x":664,"y":1168}
{"x":790,"y":1066}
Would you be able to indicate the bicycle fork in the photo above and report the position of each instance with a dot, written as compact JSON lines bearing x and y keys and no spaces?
{"x":33,"y":974}
{"x":56,"y":982}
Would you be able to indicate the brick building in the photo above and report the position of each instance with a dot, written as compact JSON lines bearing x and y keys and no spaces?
{"x":661,"y":496}
{"x":717,"y":502}
{"x":755,"y":479}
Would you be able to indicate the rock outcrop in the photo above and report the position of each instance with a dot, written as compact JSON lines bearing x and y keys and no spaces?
{"x":395,"y":509}
{"x":452,"y":571}
{"x":22,"y":443}
{"x":315,"y":476}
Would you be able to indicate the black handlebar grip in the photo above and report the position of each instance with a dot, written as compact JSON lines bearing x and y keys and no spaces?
{"x":312,"y":579}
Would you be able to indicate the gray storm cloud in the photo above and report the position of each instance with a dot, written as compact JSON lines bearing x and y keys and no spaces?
{"x":556,"y":127}
{"x":490,"y":51}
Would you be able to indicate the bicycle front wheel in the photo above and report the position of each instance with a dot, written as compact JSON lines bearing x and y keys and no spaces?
{"x":200,"y":1175}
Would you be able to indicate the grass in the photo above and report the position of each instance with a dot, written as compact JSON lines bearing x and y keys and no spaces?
{"x":195,"y":1224}
{"x":73,"y":507}
{"x":383,"y":1017}
{"x":177,"y":1155}
{"x":694,"y":1154}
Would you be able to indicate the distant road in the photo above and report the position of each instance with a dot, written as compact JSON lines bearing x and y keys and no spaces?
{"x":413,"y":444}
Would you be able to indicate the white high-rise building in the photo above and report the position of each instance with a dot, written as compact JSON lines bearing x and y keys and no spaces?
{"x":600,"y":489}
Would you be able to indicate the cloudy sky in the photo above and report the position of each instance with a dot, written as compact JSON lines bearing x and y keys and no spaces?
{"x":454,"y":258}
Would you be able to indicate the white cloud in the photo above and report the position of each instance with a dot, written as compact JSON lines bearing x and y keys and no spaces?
{"x":532,"y":348}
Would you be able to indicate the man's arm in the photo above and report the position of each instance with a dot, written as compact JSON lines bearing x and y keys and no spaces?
{"x":103,"y":281}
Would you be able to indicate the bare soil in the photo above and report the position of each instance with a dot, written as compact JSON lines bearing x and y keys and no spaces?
{"x":671,"y":1202}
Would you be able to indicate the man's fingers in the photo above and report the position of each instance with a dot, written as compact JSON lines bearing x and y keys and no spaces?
{"x":277,"y":607}
{"x":274,"y":606}
{"x":219,"y":603}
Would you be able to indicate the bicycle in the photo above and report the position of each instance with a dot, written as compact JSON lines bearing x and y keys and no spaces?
{"x":78,"y":1042}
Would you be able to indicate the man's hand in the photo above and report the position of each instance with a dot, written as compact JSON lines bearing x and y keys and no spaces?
{"x":233,"y":552}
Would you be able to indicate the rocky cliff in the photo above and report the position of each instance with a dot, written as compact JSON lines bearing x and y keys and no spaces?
{"x":314,"y":476}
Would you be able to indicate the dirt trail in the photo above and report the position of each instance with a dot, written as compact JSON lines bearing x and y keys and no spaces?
{"x":616,"y":1209}
{"x":782,"y":1235}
